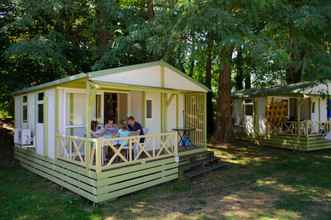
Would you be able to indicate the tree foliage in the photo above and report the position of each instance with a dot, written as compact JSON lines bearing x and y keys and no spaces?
{"x":226,"y":45}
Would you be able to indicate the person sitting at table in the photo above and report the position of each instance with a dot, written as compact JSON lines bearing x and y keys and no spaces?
{"x":123,"y":132}
{"x":96,"y":132}
{"x":110,"y":129}
{"x":122,"y":142}
{"x":135,"y":126}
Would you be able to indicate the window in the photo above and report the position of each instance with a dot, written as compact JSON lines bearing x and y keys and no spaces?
{"x":75,"y":113}
{"x":25,"y":109}
{"x":41,"y":113}
{"x":40,"y":96}
{"x":285,"y":107}
{"x":313,"y":107}
{"x":149,"y":109}
{"x":40,"y":106}
{"x":248,"y":107}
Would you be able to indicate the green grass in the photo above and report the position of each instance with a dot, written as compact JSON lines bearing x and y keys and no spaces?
{"x":258,"y":183}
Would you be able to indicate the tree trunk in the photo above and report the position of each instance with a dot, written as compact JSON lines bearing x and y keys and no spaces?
{"x":150,"y":9}
{"x":224,"y":100}
{"x":210,"y":107}
{"x":293,"y":73}
{"x":102,"y":34}
{"x":248,"y":83}
{"x":240,"y":73}
{"x":191,"y":72}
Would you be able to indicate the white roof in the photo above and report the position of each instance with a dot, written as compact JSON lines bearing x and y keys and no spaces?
{"x":150,"y":75}
{"x":147,"y":74}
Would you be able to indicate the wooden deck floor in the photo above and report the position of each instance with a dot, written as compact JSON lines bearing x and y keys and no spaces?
{"x":299,"y":143}
{"x":110,"y":183}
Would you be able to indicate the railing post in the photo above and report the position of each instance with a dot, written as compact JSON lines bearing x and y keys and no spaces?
{"x":130,"y":149}
{"x":87,"y":146}
{"x":70,"y":148}
{"x":56,"y":150}
{"x":176,"y":147}
{"x":98,"y":150}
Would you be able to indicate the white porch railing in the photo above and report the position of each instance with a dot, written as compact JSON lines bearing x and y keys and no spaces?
{"x":79,"y":150}
{"x":302,"y":128}
{"x":105,"y":153}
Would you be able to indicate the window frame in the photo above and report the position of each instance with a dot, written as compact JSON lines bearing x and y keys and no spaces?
{"x":25,"y":101}
{"x":149,"y":114}
{"x":250,"y":104}
{"x":41,"y":102}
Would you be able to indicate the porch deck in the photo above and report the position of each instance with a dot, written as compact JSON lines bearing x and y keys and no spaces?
{"x":134,"y":163}
{"x":301,"y":136}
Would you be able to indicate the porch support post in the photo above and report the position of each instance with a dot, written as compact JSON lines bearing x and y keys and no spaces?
{"x":143,"y":117}
{"x":163,"y":101}
{"x":163,"y":112}
{"x":177,"y":110}
{"x":45,"y":124}
{"x":57,"y":122}
{"x":242,"y":113}
{"x":91,"y":96}
{"x":256,"y":116}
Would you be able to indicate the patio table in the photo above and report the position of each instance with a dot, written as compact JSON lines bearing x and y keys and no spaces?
{"x":184,"y":136}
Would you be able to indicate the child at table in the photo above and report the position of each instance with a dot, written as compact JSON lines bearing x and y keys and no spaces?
{"x":123,"y":132}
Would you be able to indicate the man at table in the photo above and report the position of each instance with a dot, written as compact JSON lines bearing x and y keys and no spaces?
{"x":135,"y":126}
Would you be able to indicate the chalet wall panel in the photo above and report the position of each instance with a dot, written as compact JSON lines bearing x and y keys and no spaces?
{"x":324,"y":110}
{"x":154,"y":123}
{"x":261,"y":102}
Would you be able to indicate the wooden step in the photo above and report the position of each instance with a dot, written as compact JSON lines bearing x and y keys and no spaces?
{"x":202,"y":163}
{"x":195,"y":160}
{"x":203,"y":170}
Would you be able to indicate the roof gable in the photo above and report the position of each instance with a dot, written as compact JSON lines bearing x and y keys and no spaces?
{"x":146,"y":74}
{"x":150,"y":75}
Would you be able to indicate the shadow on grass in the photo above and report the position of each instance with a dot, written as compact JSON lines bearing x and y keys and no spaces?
{"x":257,"y":183}
{"x":6,"y":147}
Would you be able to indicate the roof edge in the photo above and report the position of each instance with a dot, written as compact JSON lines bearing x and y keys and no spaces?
{"x":121,"y":69}
{"x":51,"y":84}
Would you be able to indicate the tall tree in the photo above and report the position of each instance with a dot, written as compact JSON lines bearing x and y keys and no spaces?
{"x":208,"y":83}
